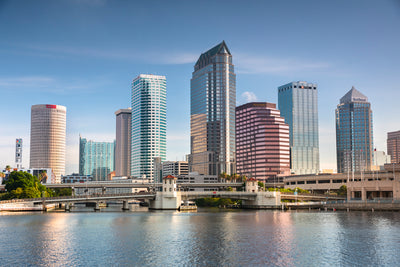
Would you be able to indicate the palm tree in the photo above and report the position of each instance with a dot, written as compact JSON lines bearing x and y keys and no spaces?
{"x":235,"y":177}
{"x":224,"y":175}
{"x":243,"y":178}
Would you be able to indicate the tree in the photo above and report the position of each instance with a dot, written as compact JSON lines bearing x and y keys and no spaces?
{"x":24,"y":185}
{"x":224,"y":175}
{"x":235,"y":177}
{"x":8,"y":168}
{"x":342,"y":191}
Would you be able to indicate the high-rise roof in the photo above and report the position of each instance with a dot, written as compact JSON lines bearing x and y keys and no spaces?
{"x":353,"y":96}
{"x":204,"y":58}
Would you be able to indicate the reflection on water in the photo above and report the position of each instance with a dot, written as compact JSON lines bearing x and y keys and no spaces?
{"x":205,"y":238}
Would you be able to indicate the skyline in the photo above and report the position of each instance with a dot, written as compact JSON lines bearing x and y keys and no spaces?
{"x":85,"y":54}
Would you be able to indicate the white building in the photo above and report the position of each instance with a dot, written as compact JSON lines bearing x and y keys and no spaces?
{"x":48,"y":138}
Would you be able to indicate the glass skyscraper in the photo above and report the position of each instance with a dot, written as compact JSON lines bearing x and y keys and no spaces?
{"x":354,"y":137}
{"x":298,"y":103}
{"x":212,"y":113}
{"x":96,"y":158}
{"x":149,"y":124}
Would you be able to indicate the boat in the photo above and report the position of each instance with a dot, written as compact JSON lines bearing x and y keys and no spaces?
{"x":188,"y":206}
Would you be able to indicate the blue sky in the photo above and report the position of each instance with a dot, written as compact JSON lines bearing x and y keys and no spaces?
{"x":83,"y":54}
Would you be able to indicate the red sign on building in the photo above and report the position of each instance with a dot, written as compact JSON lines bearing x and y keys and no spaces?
{"x":51,"y":106}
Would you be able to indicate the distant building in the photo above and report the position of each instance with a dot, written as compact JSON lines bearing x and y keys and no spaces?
{"x":298,"y":104}
{"x":380,"y":159}
{"x":96,"y":158}
{"x":354,"y":133}
{"x":262,"y":141}
{"x":123,"y":142}
{"x":149,"y":124}
{"x":175,"y":168}
{"x":48,"y":138}
{"x":18,"y":153}
{"x":157,"y":166}
{"x":194,"y":177}
{"x":76,"y":178}
{"x":393,"y":146}
{"x":212,"y":113}
{"x":45,"y":175}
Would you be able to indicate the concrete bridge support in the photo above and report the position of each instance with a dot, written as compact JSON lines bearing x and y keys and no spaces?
{"x":125,"y":205}
{"x":264,"y":200}
{"x":67,"y":206}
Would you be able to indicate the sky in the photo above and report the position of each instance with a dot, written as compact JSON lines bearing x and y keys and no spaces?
{"x":84,"y":54}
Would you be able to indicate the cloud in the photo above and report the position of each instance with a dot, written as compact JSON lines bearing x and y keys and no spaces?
{"x":158,"y":57}
{"x":249,"y":97}
{"x":251,"y":64}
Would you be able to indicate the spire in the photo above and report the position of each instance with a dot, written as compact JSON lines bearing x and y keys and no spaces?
{"x":353,"y":96}
{"x":204,"y":58}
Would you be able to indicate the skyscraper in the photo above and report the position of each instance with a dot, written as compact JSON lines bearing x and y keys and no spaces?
{"x":123,"y":142}
{"x":212,"y":113}
{"x":96,"y":158}
{"x":354,"y":137}
{"x":298,"y":103}
{"x":48,"y":133}
{"x":262,"y":141}
{"x":393,"y":146}
{"x":149,"y":123}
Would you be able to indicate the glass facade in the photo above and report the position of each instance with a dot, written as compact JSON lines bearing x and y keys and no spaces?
{"x":298,"y":103}
{"x":354,"y":137}
{"x":212,"y":113}
{"x":149,"y":124}
{"x":96,"y":158}
{"x":393,"y":146}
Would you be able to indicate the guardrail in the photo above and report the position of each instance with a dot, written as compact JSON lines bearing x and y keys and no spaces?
{"x":74,"y":197}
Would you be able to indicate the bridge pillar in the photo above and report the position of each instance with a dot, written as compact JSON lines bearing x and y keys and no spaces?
{"x":67,"y":206}
{"x":72,"y":191}
{"x":103,"y":191}
{"x":125,"y":205}
{"x":264,"y":200}
{"x":97,"y":207}
{"x":44,"y":205}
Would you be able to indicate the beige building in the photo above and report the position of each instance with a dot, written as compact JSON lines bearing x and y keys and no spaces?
{"x":48,"y":138}
{"x":123,"y":142}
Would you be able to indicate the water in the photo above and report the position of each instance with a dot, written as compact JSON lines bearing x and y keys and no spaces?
{"x":203,"y":238}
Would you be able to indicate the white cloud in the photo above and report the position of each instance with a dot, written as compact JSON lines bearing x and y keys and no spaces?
{"x":261,"y":64}
{"x":249,"y":97}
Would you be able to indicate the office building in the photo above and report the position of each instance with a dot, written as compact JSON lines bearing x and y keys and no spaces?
{"x":123,"y":142}
{"x":262,"y":141}
{"x":380,"y":159}
{"x":48,"y":138}
{"x":212,"y":113}
{"x":96,"y":158}
{"x":393,"y":146}
{"x":298,"y":103}
{"x":354,"y":136}
{"x":175,"y":168}
{"x":149,"y":124}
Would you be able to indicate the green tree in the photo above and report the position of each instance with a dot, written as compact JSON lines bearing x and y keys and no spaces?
{"x":8,"y":168}
{"x":342,"y":191}
{"x":24,"y":185}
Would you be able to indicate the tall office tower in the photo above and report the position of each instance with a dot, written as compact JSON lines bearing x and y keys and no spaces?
{"x":123,"y":142}
{"x":18,"y":153}
{"x":149,"y":124}
{"x":157,"y":170}
{"x":393,"y":146}
{"x":298,"y":103}
{"x":354,"y":137}
{"x":212,"y":113}
{"x":48,"y":138}
{"x":262,"y":141}
{"x":96,"y":158}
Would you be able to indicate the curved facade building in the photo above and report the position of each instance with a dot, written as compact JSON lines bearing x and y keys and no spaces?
{"x":48,"y":135}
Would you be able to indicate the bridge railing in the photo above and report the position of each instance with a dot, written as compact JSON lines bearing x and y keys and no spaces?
{"x":73,"y":197}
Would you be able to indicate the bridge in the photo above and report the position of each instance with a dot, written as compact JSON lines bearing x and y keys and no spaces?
{"x":172,"y":196}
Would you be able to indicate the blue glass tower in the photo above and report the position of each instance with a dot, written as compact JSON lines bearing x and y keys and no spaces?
{"x":149,"y":124}
{"x":354,"y":136}
{"x":96,"y":158}
{"x":298,"y":103}
{"x":212,"y":113}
